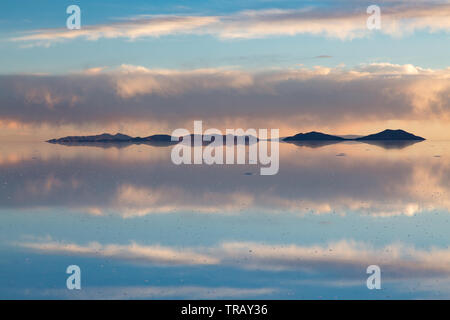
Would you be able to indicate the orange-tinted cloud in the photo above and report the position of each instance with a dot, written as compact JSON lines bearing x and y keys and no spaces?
{"x":342,"y":23}
{"x":289,"y":99}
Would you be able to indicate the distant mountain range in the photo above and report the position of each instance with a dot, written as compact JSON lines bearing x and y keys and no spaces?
{"x":316,"y":136}
{"x":105,"y":137}
{"x":387,"y":138}
{"x":384,"y":135}
{"x":207,"y":139}
{"x":107,"y":140}
{"x":392,"y":135}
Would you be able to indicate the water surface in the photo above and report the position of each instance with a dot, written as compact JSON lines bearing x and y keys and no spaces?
{"x":141,"y":227}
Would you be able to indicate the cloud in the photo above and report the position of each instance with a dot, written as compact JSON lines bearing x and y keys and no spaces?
{"x":387,"y":69}
{"x":343,"y":22}
{"x":134,"y":28}
{"x":346,"y":257}
{"x":319,"y":96}
{"x":133,"y":81}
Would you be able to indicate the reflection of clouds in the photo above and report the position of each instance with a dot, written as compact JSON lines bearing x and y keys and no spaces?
{"x":152,"y":292}
{"x":142,"y":180}
{"x":132,"y":201}
{"x":426,"y":288}
{"x":12,"y":153}
{"x":345,"y":257}
{"x":151,"y":254}
{"x":135,"y":201}
{"x":46,"y":186}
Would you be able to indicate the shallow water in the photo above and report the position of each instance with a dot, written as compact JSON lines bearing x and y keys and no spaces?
{"x":141,"y":227}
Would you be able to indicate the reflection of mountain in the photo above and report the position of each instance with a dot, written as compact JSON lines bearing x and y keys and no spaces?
{"x":105,"y":145}
{"x":314,"y":143}
{"x":388,"y":139}
{"x":391,"y":144}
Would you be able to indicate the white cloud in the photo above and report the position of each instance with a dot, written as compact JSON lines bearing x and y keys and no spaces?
{"x":342,"y":23}
{"x":143,"y":26}
{"x":133,"y":81}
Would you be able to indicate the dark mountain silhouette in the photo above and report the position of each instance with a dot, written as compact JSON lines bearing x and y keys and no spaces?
{"x":207,"y":139}
{"x":392,"y":135}
{"x":156,"y":140}
{"x":388,"y":139}
{"x":105,"y":137}
{"x":313,"y":136}
{"x":117,"y":140}
{"x":387,"y":134}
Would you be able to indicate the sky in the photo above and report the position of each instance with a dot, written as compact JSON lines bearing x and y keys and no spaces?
{"x":147,"y":67}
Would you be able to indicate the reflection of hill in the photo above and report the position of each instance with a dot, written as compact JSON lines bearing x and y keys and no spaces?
{"x":392,"y":144}
{"x":314,"y":144}
{"x":104,"y":145}
{"x":386,"y":144}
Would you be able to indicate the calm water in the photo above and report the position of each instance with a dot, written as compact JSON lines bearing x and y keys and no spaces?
{"x":140,"y":227}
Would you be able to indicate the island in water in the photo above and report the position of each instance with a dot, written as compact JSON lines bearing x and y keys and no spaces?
{"x":387,"y":139}
{"x":122,"y":140}
{"x":106,"y":139}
